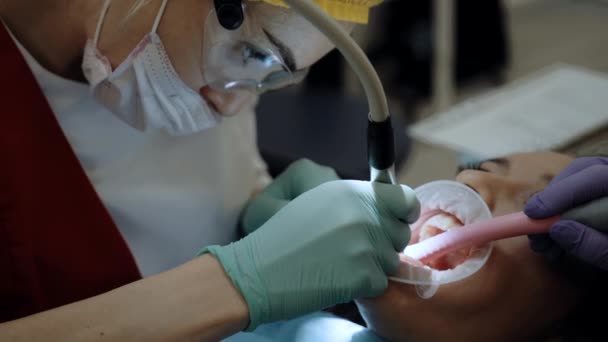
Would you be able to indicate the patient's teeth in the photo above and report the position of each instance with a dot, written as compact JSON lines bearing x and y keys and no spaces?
{"x":443,"y":221}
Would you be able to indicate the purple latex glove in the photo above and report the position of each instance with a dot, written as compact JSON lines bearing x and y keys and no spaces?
{"x":584,"y":180}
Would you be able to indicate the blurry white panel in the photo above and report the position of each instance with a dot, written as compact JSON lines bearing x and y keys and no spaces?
{"x":546,"y":111}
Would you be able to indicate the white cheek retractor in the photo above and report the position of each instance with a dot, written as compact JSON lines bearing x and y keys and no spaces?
{"x":457,"y":200}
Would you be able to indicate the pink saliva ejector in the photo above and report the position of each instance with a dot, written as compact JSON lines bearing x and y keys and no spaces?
{"x":453,"y":237}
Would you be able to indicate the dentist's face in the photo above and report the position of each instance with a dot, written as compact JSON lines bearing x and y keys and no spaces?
{"x":181,"y":31}
{"x":514,"y":296}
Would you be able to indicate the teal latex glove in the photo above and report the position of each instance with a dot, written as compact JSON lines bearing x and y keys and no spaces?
{"x":298,"y":178}
{"x":332,"y":244}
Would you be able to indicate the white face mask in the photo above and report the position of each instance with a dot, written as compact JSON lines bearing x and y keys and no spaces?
{"x":144,"y":90}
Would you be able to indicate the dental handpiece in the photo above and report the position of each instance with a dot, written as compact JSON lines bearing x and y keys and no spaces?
{"x":593,"y":214}
{"x":380,"y":149}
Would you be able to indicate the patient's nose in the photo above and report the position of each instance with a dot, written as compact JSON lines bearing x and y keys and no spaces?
{"x":228,"y":104}
{"x":486,"y":184}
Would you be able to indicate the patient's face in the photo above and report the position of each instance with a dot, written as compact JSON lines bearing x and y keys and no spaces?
{"x":513,"y":296}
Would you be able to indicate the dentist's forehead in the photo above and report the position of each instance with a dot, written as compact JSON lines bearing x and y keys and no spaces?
{"x":307,"y":44}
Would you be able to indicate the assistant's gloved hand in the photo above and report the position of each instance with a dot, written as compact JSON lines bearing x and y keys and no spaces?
{"x":330,"y":245}
{"x":581,"y":232}
{"x":298,"y":178}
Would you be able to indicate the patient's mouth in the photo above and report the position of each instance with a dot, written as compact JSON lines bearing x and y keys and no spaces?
{"x":436,"y":222}
{"x":446,"y":205}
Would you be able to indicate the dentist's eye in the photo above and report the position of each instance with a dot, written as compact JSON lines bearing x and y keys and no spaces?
{"x":253,"y":54}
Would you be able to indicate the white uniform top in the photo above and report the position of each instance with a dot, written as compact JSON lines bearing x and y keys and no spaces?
{"x":169,"y":196}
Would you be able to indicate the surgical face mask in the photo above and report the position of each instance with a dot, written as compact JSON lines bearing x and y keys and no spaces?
{"x":445,"y":205}
{"x":245,"y":59}
{"x":145,"y":90}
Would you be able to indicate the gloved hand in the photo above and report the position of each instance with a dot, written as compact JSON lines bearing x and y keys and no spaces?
{"x":298,"y":178}
{"x":334,"y":243}
{"x":579,"y":232}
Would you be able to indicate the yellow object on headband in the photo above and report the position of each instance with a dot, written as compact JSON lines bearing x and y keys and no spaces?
{"x":356,"y":11}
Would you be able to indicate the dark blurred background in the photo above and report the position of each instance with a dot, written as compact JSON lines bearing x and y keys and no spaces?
{"x":402,"y":48}
{"x":322,"y":121}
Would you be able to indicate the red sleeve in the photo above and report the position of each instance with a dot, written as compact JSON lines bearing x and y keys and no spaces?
{"x":58,"y":243}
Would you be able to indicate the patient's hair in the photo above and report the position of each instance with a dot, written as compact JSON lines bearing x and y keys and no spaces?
{"x":598,"y":149}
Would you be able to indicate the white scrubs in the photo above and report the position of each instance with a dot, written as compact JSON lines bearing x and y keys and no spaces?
{"x":169,"y":196}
